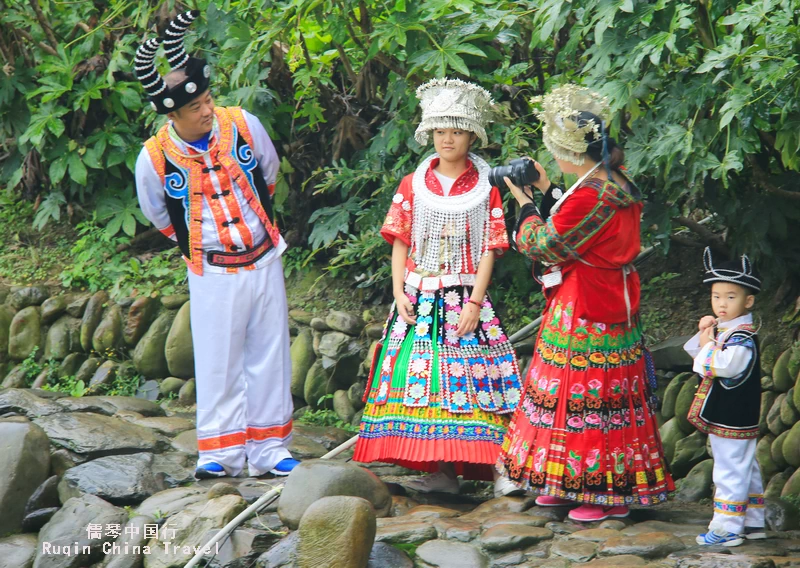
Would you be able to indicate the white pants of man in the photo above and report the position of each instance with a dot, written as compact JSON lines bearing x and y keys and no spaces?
{"x":739,"y":494}
{"x":240,"y":330}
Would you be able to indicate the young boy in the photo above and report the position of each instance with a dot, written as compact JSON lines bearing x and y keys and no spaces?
{"x":727,"y":403}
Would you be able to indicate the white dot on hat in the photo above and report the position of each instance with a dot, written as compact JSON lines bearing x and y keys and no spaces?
{"x":169,"y":103}
{"x":191,"y":87}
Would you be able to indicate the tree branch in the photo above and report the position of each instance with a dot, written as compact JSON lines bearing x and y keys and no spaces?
{"x":685,"y":241}
{"x":351,"y":75}
{"x":43,"y":22}
{"x":712,"y":239}
{"x":762,"y":178}
{"x":149,"y":233}
{"x":44,"y":47}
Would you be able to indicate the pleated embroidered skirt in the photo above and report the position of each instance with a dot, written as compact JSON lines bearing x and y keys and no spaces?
{"x":585,"y":429}
{"x":436,"y":397}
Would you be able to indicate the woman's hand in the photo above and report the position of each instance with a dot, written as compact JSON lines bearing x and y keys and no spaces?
{"x":468,"y":320}
{"x":405,"y":309}
{"x":542,"y":184}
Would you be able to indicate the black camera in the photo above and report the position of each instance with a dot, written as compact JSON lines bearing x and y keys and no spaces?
{"x":521,"y":172}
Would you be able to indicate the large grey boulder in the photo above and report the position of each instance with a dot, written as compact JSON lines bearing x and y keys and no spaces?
{"x":179,"y":349}
{"x":448,"y":554}
{"x":17,"y":551}
{"x":6,"y":316}
{"x":120,"y":480}
{"x":108,"y":334}
{"x":123,"y":552}
{"x":27,"y":296}
{"x":697,"y":484}
{"x":53,"y":308}
{"x":140,"y":315}
{"x":189,"y":528}
{"x":23,"y":401}
{"x":345,"y":322}
{"x":25,"y":333}
{"x":98,"y":435}
{"x":24,"y":466}
{"x":315,"y":479}
{"x":302,"y":353}
{"x":91,"y":318}
{"x":69,"y":529}
{"x":336,"y":532}
{"x":171,"y":501}
{"x":689,"y":452}
{"x":669,"y":355}
{"x":150,"y":356}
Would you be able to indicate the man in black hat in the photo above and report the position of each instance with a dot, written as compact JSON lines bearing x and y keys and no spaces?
{"x":727,"y":403}
{"x":206,"y":180}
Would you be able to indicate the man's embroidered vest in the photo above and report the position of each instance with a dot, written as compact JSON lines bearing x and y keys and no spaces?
{"x":184,"y":179}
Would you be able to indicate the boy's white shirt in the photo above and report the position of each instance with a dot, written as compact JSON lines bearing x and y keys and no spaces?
{"x":725,"y":363}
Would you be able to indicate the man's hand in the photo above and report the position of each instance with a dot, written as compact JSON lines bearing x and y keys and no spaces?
{"x":468,"y":320}
{"x":406,"y":309}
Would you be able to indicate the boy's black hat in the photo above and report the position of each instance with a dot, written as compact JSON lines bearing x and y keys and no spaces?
{"x":739,"y":272}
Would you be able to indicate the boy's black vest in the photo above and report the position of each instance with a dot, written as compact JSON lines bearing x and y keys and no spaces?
{"x":730,"y":408}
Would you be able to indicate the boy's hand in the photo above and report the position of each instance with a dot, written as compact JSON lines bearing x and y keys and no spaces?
{"x":706,"y":322}
{"x":706,"y":336}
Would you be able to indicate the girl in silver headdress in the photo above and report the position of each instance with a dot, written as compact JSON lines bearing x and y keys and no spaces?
{"x":445,"y":377}
{"x":585,"y":431}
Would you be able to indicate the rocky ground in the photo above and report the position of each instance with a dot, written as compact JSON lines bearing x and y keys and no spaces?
{"x":107,"y":482}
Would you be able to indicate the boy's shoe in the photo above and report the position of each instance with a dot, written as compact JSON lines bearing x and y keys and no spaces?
{"x":590,"y":513}
{"x":504,"y":487}
{"x":754,"y":533}
{"x":548,"y":501}
{"x":717,"y":537}
{"x":209,"y":470}
{"x":434,"y":483}
{"x":284,"y":467}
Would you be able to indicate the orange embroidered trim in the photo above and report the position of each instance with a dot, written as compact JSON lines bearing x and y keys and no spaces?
{"x":221,"y":442}
{"x":168,"y":231}
{"x":259,"y":434}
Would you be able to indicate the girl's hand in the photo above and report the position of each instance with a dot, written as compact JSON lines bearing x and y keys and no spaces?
{"x":405,"y":309}
{"x":468,"y":320}
{"x":706,"y":322}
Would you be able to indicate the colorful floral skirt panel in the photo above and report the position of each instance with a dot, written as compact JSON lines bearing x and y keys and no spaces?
{"x":585,"y":429}
{"x":435,"y":396}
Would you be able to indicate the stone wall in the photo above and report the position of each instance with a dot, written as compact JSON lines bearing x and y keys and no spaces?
{"x":95,"y":340}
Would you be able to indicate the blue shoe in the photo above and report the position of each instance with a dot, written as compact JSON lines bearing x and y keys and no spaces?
{"x":209,"y":470}
{"x":719,"y":538}
{"x":284,"y":467}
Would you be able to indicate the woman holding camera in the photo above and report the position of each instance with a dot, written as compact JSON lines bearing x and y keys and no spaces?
{"x":445,"y":379}
{"x":585,"y":431}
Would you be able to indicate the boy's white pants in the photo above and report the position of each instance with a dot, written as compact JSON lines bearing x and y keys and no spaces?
{"x":739,"y":494}
{"x":240,"y":330}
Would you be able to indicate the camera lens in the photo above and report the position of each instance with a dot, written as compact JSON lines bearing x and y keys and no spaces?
{"x":521,"y":172}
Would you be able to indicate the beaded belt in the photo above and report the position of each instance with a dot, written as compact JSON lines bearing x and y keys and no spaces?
{"x":238,"y":260}
{"x":431,"y":283}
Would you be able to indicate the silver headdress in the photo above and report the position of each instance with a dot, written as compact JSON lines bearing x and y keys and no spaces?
{"x":739,"y":272}
{"x":566,"y":112}
{"x":452,"y":103}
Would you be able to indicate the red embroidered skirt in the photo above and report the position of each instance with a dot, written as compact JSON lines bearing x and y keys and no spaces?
{"x":584,"y":429}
